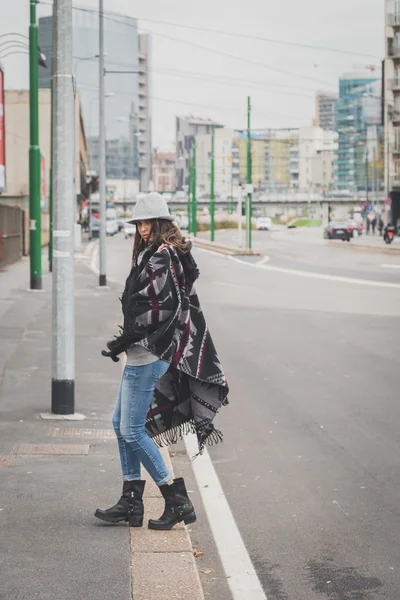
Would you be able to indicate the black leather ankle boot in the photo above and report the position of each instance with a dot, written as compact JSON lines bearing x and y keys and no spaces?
{"x":178,"y":507}
{"x":128,"y":508}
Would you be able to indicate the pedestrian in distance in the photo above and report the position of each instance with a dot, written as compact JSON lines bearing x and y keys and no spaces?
{"x":373,"y":225}
{"x":380,"y":225}
{"x":371,"y":221}
{"x":173,"y":382}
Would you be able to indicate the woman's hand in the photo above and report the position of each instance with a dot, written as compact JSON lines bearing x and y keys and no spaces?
{"x":110,"y":354}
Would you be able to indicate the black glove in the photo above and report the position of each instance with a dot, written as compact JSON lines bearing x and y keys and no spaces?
{"x":110,"y":354}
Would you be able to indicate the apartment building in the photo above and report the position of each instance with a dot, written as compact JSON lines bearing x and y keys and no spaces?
{"x":325,"y":110}
{"x":145,"y":150}
{"x":316,"y":155}
{"x":186,"y":129}
{"x":223,"y":141}
{"x":164,"y":173}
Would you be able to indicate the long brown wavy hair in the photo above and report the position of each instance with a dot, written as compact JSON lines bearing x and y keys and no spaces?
{"x":165,"y":232}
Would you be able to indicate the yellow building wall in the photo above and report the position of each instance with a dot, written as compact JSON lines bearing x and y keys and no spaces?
{"x":257,"y":160}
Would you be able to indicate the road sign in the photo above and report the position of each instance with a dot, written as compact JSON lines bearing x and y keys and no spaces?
{"x":388,"y":201}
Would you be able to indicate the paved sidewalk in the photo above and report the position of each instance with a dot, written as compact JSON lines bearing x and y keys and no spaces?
{"x":54,"y":474}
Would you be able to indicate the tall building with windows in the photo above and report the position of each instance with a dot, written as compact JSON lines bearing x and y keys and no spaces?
{"x":391,"y":105}
{"x":325,"y":110}
{"x":223,"y":140}
{"x":316,"y":156}
{"x":127,"y":108}
{"x":357,"y":124}
{"x":282,"y":159}
{"x":164,"y":173}
{"x":186,"y":130}
{"x":145,"y":150}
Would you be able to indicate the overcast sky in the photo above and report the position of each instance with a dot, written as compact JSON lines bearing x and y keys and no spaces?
{"x":279,"y":99}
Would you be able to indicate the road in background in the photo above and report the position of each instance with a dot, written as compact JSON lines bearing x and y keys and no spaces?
{"x":310,"y":463}
{"x":306,"y":249}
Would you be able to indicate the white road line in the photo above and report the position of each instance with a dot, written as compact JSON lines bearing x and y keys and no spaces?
{"x":387,"y":266}
{"x":241,"y":576}
{"x":384,"y":284}
{"x":368,"y":282}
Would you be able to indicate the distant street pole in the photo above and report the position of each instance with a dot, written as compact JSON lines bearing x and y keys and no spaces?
{"x":51,"y":165}
{"x":249,"y":184}
{"x":230,"y":203}
{"x":367,"y":172}
{"x":102,"y":151}
{"x":189,"y":193}
{"x":212,"y":196}
{"x":35,"y":210}
{"x":51,"y":186}
{"x":63,"y":330}
{"x":194,"y":197}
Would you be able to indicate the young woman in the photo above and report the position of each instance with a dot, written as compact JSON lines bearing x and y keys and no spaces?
{"x":173,"y":382}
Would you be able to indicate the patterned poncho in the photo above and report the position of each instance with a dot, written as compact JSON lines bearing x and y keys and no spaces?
{"x":162,"y":313}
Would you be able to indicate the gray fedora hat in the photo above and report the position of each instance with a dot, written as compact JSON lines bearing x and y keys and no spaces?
{"x":151,"y":206}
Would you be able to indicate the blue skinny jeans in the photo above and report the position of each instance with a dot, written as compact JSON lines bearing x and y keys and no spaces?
{"x":133,"y":402}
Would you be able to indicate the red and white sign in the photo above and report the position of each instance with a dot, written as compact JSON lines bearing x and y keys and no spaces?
{"x":2,"y":136}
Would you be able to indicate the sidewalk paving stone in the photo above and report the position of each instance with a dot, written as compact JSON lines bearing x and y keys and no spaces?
{"x":52,"y":547}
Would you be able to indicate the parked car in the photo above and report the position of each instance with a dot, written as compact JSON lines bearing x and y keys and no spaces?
{"x":263,"y":223}
{"x":338,"y":230}
{"x":111,"y":226}
{"x":95,"y":226}
{"x":355,"y":227}
{"x":129,"y":230}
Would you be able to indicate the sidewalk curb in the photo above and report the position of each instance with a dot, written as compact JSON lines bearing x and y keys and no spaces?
{"x":366,"y":248}
{"x":162,"y":562}
{"x":223,"y":249}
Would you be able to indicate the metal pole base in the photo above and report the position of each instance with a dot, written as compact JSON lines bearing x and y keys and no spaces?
{"x":36,"y":283}
{"x":62,"y":396}
{"x":102,"y":280}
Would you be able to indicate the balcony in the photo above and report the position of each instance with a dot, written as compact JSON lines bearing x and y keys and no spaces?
{"x":394,"y":51}
{"x":396,"y":182}
{"x":393,"y":19}
{"x":396,"y":118}
{"x":394,"y":85}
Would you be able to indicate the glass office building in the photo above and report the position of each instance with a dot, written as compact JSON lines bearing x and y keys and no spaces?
{"x":357,"y":123}
{"x":121,"y":42}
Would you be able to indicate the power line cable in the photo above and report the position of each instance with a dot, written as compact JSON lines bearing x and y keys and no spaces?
{"x":229,"y":33}
{"x":201,"y":47}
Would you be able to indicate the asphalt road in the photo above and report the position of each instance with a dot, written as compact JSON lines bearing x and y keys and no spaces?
{"x":307,"y":250}
{"x":310,"y":462}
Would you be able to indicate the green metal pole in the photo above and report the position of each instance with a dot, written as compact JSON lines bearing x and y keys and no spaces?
{"x":212,"y":196}
{"x":189,"y":208}
{"x":194,"y":198}
{"x":249,"y":188}
{"x":51,"y":181}
{"x":35,"y":248}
